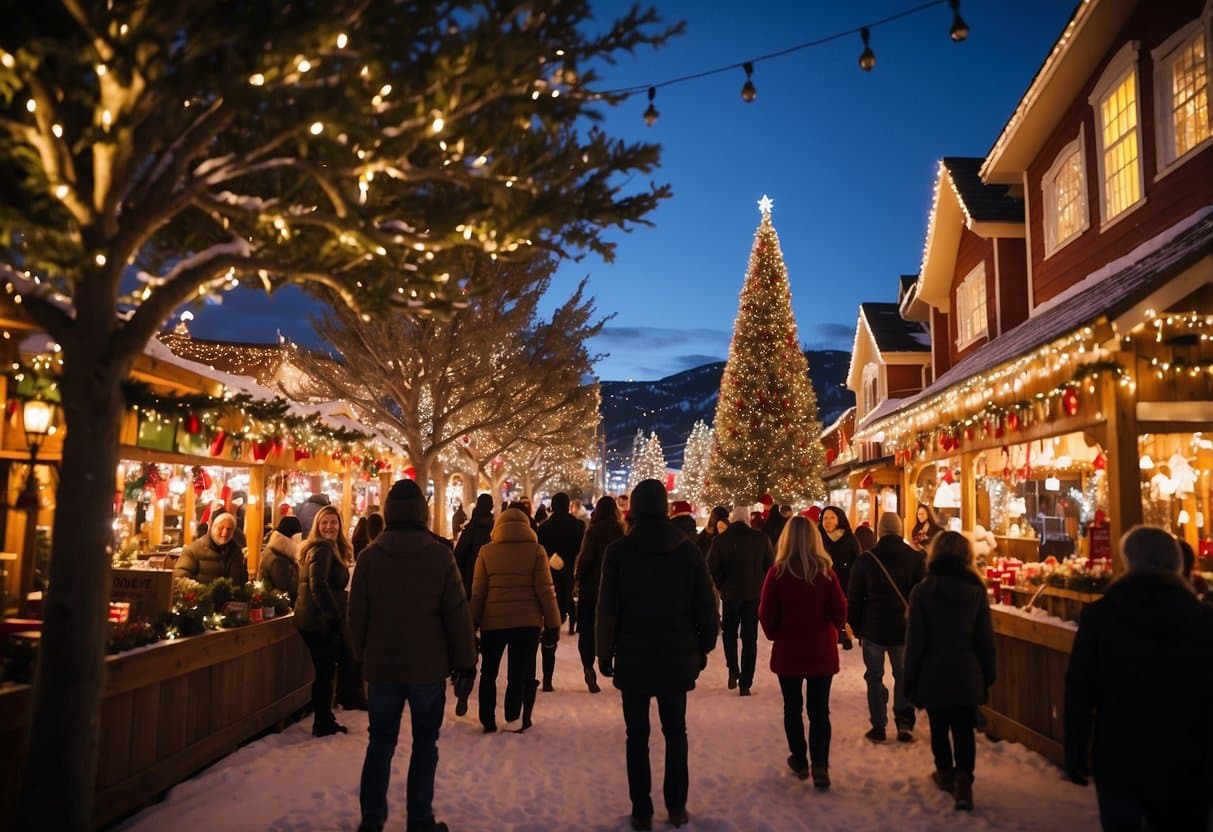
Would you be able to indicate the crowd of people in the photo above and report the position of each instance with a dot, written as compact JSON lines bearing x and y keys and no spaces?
{"x":648,"y":595}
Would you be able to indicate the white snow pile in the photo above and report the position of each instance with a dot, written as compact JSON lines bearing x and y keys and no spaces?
{"x":567,"y":772}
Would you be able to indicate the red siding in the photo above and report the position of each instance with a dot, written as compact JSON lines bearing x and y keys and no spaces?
{"x":903,"y":379}
{"x":1012,"y":283}
{"x":1167,"y":201}
{"x":942,"y":337}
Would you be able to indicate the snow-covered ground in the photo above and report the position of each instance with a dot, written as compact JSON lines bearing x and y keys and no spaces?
{"x":567,"y":773}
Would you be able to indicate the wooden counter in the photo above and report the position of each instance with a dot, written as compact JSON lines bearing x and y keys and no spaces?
{"x":174,"y":707}
{"x":1027,"y":698}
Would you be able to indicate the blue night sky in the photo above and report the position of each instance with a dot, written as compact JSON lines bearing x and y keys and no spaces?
{"x":848,"y":157}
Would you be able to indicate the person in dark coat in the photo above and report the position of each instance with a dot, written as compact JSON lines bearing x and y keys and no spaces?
{"x":656,"y":624}
{"x":1137,"y":691}
{"x":606,"y":526}
{"x":718,"y":520}
{"x":683,"y":518}
{"x":308,"y":509}
{"x":775,"y":523}
{"x":877,"y":603}
{"x":843,"y":547}
{"x":458,"y":518}
{"x":950,"y":659}
{"x":560,"y":536}
{"x":476,"y":532}
{"x":320,"y":610}
{"x":279,"y":567}
{"x":365,"y":531}
{"x":738,"y":562}
{"x":801,"y":611}
{"x":410,"y":627}
{"x":925,"y":527}
{"x":214,"y":555}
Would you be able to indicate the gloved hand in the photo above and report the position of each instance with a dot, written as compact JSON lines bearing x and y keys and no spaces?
{"x":606,"y":667}
{"x":703,"y":661}
{"x":551,"y":635}
{"x":464,"y":681}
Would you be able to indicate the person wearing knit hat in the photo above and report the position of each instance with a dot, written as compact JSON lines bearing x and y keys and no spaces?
{"x":476,"y":532}
{"x":560,"y":536}
{"x":881,"y":581}
{"x":683,"y":519}
{"x":738,"y":561}
{"x":214,"y":555}
{"x":411,"y":628}
{"x":660,"y":653}
{"x":279,"y":569}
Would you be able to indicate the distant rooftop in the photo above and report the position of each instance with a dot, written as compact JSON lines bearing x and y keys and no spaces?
{"x":892,"y":332}
{"x":982,"y":202}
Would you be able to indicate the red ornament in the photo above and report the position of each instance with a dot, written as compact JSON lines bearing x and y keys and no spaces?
{"x":193,"y":425}
{"x":261,"y":450}
{"x":766,"y":499}
{"x":831,"y":454}
{"x":336,"y":455}
{"x":947,"y":477}
{"x":278,"y":445}
{"x":410,"y":473}
{"x":218,"y":442}
{"x":302,"y":453}
{"x":1100,"y":463}
{"x":1069,"y":401}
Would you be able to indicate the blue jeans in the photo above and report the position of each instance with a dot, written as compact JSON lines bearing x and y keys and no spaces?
{"x":743,"y":616}
{"x":385,"y":705}
{"x":878,"y":694}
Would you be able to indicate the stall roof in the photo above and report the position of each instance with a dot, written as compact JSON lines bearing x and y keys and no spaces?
{"x":1108,"y":291}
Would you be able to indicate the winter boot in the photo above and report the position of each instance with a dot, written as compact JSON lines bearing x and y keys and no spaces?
{"x":945,"y":779}
{"x":964,"y":791}
{"x":528,"y":704}
{"x":798,"y":766}
{"x":549,"y":666}
{"x":821,"y":775}
{"x":591,"y":681}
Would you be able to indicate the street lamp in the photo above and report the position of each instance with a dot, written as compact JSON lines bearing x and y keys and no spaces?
{"x":38,"y":419}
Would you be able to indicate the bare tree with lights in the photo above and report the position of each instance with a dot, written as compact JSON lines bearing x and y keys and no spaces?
{"x":153,"y":154}
{"x":492,"y":367}
{"x":767,"y":431}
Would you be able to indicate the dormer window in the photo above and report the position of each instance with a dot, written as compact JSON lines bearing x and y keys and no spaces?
{"x":1064,"y":192}
{"x":971,"y":318}
{"x":1118,"y":135}
{"x":1181,"y":93}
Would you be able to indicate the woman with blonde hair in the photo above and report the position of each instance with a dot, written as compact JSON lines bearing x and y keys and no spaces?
{"x":801,"y":610}
{"x":950,"y":659}
{"x":320,"y":610}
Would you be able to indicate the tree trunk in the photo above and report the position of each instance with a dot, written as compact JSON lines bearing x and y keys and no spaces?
{"x":60,"y":768}
{"x":438,"y":510}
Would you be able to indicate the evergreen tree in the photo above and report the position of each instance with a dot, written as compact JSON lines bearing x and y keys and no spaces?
{"x":651,"y":465}
{"x":767,"y":428}
{"x":638,"y":442}
{"x":695,"y":463}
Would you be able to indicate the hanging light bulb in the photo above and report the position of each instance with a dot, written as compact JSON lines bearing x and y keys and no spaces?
{"x":748,"y":91}
{"x":867,"y":58}
{"x":960,"y":29}
{"x":650,"y":115}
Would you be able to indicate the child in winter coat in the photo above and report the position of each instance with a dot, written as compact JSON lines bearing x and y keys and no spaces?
{"x":950,"y":659}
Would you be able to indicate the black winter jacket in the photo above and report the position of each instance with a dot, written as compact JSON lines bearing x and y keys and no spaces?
{"x":561,"y":534}
{"x":843,"y":552}
{"x":656,"y":616}
{"x":738,"y":560}
{"x":949,"y":639}
{"x":873,"y":607}
{"x":477,"y":532}
{"x":587,"y":572}
{"x":1140,"y":681}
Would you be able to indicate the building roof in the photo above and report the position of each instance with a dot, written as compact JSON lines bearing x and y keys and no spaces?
{"x":892,"y":332}
{"x":258,"y":361}
{"x":982,"y":202}
{"x":1109,"y":291}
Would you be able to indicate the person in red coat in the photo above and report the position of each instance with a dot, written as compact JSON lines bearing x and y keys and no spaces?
{"x":801,"y":610}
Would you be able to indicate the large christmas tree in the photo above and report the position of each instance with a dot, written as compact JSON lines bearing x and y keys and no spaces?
{"x":767,"y":430}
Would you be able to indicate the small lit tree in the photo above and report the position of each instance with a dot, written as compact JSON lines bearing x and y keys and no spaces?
{"x":695,"y":463}
{"x":638,"y":445}
{"x":651,"y":464}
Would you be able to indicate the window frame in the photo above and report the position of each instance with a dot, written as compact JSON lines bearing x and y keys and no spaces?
{"x":965,"y":312}
{"x":1164,"y":57}
{"x":1048,"y":191}
{"x":1118,"y":69}
{"x":871,"y":387}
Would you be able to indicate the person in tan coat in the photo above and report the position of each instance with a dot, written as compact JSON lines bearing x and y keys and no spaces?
{"x":512,"y":600}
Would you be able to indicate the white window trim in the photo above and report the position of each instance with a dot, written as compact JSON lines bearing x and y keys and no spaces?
{"x":1049,"y":197}
{"x":1122,"y":63}
{"x":871,"y":374}
{"x":963,"y":312}
{"x":1163,"y":56}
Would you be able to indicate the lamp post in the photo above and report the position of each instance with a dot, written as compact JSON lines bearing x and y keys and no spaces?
{"x":38,"y":418}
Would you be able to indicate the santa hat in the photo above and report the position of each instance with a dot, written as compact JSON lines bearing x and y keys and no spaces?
{"x":680,"y":507}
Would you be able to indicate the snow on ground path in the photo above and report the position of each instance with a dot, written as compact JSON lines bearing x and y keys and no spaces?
{"x":567,"y":773}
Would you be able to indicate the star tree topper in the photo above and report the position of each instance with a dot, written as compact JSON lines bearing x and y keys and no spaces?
{"x":765,"y":205}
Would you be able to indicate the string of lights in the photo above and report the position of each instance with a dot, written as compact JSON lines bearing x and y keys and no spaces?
{"x":958,"y":32}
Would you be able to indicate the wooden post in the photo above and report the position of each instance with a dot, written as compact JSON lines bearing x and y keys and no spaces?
{"x":968,"y":492}
{"x":254,"y":516}
{"x":189,"y":511}
{"x":1124,"y":475}
{"x":347,"y":497}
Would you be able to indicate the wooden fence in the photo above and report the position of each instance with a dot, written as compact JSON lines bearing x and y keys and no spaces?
{"x":174,"y":707}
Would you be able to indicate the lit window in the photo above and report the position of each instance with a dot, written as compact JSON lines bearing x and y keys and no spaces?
{"x":1118,"y":128}
{"x":1181,"y":71}
{"x":971,"y":308}
{"x":1064,"y":188}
